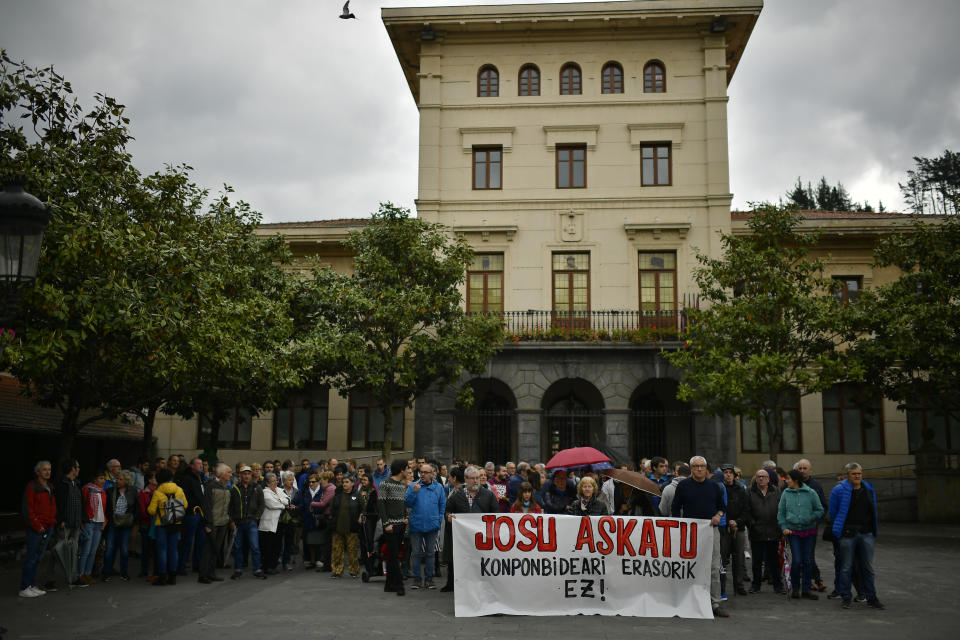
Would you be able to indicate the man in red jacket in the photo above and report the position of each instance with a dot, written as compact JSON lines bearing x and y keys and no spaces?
{"x":40,"y":514}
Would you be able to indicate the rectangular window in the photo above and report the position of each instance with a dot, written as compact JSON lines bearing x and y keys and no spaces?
{"x":571,"y":166}
{"x":487,"y":167}
{"x":850,"y":287}
{"x":485,"y":283}
{"x":852,"y":420}
{"x":301,"y":421}
{"x":571,"y":289}
{"x":655,"y":165}
{"x":943,"y":425}
{"x":367,"y":426}
{"x":658,"y":288}
{"x":234,"y":432}
{"x":753,"y":432}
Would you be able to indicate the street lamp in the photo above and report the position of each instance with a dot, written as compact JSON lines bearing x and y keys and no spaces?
{"x":22,"y":221}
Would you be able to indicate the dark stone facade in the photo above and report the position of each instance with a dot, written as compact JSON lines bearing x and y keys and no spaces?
{"x":605,"y":380}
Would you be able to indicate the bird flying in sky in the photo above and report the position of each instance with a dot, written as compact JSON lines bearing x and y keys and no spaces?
{"x":346,"y":15}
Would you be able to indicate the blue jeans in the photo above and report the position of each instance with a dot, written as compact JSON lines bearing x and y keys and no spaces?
{"x":167,"y":540}
{"x":247,"y":535}
{"x":857,"y":550}
{"x":89,"y":541}
{"x":801,"y":562}
{"x":424,"y":546}
{"x":36,"y":545}
{"x":117,"y":538}
{"x":193,"y":534}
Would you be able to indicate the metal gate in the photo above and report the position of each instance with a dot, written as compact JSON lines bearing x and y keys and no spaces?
{"x":568,"y":428}
{"x":661,"y":433}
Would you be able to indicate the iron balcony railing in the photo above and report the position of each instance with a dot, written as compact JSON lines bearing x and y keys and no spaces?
{"x":610,"y":321}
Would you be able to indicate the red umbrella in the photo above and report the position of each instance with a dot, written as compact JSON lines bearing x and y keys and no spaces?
{"x":579,"y":457}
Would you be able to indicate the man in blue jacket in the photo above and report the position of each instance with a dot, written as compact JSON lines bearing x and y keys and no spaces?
{"x":853,"y":511}
{"x":427,"y":502}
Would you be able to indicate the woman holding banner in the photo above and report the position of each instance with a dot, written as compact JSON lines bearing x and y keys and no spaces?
{"x":588,"y":502}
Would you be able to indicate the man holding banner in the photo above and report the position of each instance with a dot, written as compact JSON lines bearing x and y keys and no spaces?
{"x":697,"y":497}
{"x":470,"y":498}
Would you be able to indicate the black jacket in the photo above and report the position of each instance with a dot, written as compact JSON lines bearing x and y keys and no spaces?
{"x":761,"y":514}
{"x":66,"y":487}
{"x":485,"y":502}
{"x":192,"y":486}
{"x":338,"y":498}
{"x":246,"y":504}
{"x":595,"y":507}
{"x":556,"y":502}
{"x":736,"y":502}
{"x":133,"y":505}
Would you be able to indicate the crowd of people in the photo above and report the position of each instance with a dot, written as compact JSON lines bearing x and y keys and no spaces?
{"x":332,"y":516}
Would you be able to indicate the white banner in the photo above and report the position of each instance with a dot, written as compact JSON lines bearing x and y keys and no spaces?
{"x":544,"y":565}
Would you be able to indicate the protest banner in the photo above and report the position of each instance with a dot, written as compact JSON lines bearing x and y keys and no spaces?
{"x":545,"y":565}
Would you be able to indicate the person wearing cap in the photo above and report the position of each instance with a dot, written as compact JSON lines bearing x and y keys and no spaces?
{"x":733,"y":540}
{"x":246,"y":506}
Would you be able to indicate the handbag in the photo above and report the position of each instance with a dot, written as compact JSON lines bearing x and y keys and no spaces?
{"x":291,"y":518}
{"x":319,"y":522}
{"x":123,"y":520}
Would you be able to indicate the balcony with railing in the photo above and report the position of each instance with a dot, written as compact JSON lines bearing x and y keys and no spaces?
{"x":606,"y":325}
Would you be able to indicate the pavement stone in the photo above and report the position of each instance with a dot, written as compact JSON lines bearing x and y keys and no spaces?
{"x":918,"y":579}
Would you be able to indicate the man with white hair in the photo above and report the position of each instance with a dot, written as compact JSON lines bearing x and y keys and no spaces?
{"x":698,"y":497}
{"x":113,"y":472}
{"x":216,"y":522}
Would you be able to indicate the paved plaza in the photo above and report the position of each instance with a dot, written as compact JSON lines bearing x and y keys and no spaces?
{"x":918,"y":579}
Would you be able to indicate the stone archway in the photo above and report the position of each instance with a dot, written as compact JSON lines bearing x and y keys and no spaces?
{"x":488,"y":431}
{"x":572,"y":415}
{"x":660,"y":424}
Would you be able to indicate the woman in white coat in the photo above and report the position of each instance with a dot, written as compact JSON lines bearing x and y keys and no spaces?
{"x":274,"y":502}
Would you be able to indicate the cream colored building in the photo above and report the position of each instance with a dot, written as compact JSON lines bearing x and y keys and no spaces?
{"x":582,"y":151}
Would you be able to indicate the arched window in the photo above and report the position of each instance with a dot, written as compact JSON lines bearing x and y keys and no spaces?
{"x":570,"y":84}
{"x":529,"y":84}
{"x":488,"y":82}
{"x":612,"y":76}
{"x":654,"y":77}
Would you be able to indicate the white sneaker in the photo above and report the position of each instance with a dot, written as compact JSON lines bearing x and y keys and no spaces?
{"x":28,"y":593}
{"x":37,"y":590}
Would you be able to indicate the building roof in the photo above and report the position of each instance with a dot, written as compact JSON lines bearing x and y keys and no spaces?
{"x":339,"y":222}
{"x":406,"y":25}
{"x":809,"y":214}
{"x":18,"y":413}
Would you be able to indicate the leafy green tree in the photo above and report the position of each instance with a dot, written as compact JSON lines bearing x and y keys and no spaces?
{"x":396,"y":325}
{"x":146,"y":296}
{"x":770,"y":329}
{"x":934,"y":185}
{"x":907,"y":343}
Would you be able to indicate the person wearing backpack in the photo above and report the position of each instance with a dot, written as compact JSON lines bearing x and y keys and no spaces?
{"x":169,"y":506}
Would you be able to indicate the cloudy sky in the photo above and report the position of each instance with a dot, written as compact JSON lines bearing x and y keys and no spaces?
{"x":308,"y":116}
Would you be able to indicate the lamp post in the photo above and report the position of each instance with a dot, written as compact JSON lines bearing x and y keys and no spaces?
{"x":23,"y":219}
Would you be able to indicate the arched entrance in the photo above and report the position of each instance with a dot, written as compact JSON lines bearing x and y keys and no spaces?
{"x":660,"y":424}
{"x":488,"y":430}
{"x":572,"y":415}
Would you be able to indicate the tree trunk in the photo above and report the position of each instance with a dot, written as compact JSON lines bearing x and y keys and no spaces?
{"x":210,"y":451}
{"x":68,"y":432}
{"x":775,"y":430}
{"x":147,"y":445}
{"x":387,"y":412}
